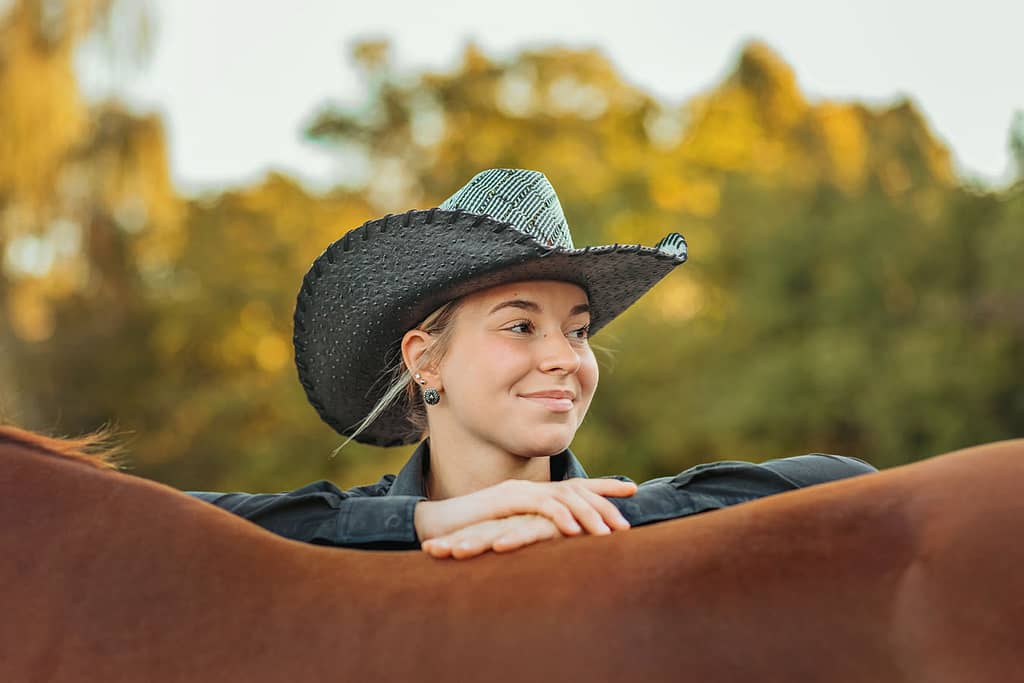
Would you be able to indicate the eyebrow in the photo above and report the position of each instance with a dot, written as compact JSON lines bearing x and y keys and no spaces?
{"x":534,"y":308}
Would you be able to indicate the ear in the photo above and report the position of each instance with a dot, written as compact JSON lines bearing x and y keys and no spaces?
{"x":414,"y":344}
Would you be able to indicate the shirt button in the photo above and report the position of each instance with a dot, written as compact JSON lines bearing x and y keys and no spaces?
{"x":392,"y":522}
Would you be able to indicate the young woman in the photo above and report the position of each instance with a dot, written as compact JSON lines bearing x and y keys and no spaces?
{"x":465,"y":328}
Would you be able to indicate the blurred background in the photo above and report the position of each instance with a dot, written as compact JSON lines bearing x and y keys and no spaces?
{"x":849,"y":177}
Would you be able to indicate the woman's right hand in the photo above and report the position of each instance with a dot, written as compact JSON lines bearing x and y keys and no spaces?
{"x":574,"y":505}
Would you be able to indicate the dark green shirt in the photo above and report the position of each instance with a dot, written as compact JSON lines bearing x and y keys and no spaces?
{"x":380,"y":516}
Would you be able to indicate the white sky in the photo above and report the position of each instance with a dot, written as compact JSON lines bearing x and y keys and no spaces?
{"x":236,"y":80}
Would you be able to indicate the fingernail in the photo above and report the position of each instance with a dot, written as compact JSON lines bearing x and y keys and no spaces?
{"x":604,"y":528}
{"x":465,"y":545}
{"x":441,"y":544}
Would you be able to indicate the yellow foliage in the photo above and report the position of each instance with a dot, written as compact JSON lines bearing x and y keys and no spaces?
{"x":233,"y":350}
{"x":42,"y":115}
{"x":629,"y":227}
{"x":771,"y":82}
{"x":257,"y":339}
{"x":703,"y":198}
{"x":724,"y":132}
{"x":30,"y":312}
{"x":698,"y":196}
{"x":256,"y":318}
{"x":701,"y":237}
{"x":845,"y":142}
{"x":746,"y":123}
{"x":771,"y":156}
{"x":677,"y":298}
{"x":128,"y":171}
{"x":272,"y":352}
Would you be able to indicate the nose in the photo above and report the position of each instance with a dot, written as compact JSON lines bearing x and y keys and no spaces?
{"x":558,"y":354}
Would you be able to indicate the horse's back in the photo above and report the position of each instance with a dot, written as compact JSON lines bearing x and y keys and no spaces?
{"x":905,"y":575}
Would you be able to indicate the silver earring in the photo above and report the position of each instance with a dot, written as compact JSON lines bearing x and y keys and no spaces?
{"x":431,"y":396}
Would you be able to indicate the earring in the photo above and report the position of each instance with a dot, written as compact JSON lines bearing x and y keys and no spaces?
{"x":430,"y":396}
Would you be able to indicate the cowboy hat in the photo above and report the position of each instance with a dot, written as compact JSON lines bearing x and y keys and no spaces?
{"x":371,"y":286}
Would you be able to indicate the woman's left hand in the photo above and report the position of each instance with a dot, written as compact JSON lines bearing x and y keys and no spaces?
{"x":499,"y":535}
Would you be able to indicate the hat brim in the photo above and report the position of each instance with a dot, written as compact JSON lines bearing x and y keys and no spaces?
{"x":367,"y":289}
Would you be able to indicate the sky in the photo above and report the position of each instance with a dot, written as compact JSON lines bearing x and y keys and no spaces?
{"x":236,"y":81}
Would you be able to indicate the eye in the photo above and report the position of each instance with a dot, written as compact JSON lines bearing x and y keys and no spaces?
{"x":583,"y":332}
{"x":523,"y":323}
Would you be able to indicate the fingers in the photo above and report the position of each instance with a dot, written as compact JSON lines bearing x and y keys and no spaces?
{"x":517,"y":497}
{"x":586,"y":500}
{"x":446,"y":547}
{"x":499,"y":535}
{"x":513,"y":540}
{"x":574,"y":505}
{"x":464,"y":543}
{"x":558,"y":512}
{"x":571,"y":503}
{"x":607,"y":487}
{"x":437,"y":547}
{"x":611,"y":515}
{"x":584,"y":510}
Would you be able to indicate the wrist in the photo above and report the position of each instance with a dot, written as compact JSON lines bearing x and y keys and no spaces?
{"x":425,"y":520}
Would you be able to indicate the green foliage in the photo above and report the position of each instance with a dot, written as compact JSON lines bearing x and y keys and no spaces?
{"x":1017,"y":143}
{"x":845,"y":293}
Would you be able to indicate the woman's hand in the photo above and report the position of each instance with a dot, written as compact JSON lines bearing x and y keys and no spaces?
{"x":499,"y":535}
{"x":574,"y":505}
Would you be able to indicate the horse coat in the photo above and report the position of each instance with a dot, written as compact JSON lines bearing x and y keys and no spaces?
{"x":915,"y":573}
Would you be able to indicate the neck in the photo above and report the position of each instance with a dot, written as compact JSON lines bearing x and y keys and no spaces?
{"x":462,"y":465}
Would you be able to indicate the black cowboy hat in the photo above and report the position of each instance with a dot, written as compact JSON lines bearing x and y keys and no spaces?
{"x":371,"y":286}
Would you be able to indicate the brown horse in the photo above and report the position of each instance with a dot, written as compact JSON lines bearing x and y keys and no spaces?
{"x":912,"y":574}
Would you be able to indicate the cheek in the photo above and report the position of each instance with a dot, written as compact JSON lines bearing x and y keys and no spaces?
{"x":506,"y":363}
{"x":588,"y":378}
{"x":588,"y":373}
{"x":492,"y":369}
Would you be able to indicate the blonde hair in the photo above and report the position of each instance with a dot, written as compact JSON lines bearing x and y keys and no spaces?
{"x":439,"y":325}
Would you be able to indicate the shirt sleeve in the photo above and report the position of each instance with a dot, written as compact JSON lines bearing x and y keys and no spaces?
{"x":323,"y":514}
{"x":711,"y":486}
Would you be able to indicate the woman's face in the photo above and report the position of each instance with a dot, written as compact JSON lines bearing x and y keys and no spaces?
{"x":519,"y":372}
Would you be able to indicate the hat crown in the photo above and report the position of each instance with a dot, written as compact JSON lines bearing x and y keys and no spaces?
{"x":522,"y":198}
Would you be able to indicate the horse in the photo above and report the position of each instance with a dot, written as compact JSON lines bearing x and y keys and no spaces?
{"x":913,"y":573}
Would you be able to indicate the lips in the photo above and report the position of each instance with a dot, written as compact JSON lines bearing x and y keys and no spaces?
{"x":553,"y":393}
{"x":557,"y":401}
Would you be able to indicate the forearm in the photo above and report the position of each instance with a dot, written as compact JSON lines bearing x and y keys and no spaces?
{"x":378,"y":522}
{"x":711,"y":486}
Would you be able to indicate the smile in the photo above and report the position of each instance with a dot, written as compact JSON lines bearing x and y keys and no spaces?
{"x":556,"y":405}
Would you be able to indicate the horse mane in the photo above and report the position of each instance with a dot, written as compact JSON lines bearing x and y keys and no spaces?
{"x":95,"y":448}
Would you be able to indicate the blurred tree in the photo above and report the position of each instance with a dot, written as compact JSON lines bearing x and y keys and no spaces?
{"x":811,"y":228}
{"x":844,"y":293}
{"x":1017,"y":143}
{"x":85,"y":203}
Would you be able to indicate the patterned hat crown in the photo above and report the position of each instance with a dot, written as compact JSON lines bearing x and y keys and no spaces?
{"x":524,"y":199}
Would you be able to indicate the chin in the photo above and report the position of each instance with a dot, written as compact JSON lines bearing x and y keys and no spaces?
{"x":540,"y":444}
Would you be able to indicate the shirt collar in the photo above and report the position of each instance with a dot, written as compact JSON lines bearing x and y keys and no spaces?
{"x":410,"y":479}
